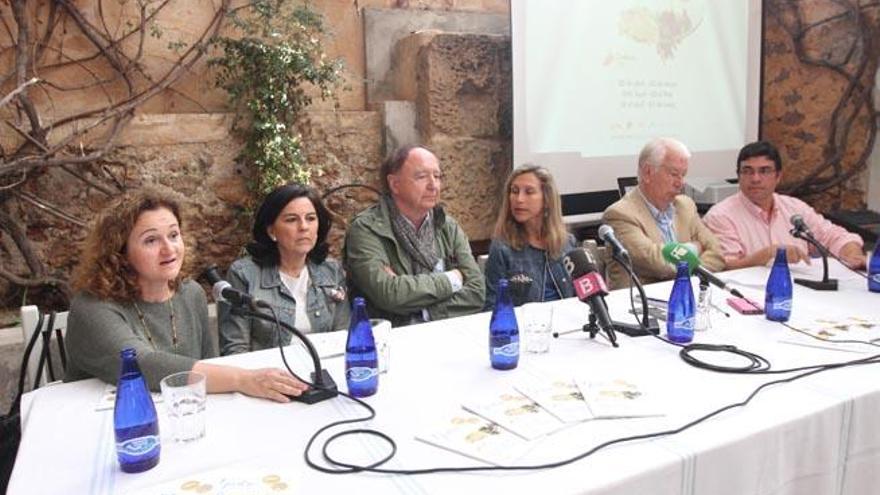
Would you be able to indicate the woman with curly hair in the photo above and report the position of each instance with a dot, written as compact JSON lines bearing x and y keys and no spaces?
{"x":132,"y":293}
{"x":287,"y":265}
{"x":529,"y":240}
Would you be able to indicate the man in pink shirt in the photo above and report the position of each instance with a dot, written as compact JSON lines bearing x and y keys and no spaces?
{"x":752,"y":224}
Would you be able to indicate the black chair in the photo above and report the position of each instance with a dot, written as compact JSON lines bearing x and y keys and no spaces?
{"x":49,"y":359}
{"x":624,"y":184}
{"x":40,"y":334}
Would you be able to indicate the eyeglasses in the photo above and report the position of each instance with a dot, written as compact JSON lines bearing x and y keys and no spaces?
{"x":762,"y":171}
{"x":674,"y":174}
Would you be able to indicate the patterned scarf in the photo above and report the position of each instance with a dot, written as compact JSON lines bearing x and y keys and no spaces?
{"x":419,"y":245}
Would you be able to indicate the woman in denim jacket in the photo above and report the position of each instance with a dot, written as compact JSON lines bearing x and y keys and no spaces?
{"x":530,"y":240}
{"x":288,"y":267}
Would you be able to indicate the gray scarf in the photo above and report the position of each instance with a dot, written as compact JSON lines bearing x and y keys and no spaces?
{"x":419,"y":245}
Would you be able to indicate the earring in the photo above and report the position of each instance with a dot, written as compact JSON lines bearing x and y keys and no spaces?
{"x":273,"y":238}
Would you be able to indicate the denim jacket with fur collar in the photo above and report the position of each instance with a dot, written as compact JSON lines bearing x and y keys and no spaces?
{"x":326,"y":298}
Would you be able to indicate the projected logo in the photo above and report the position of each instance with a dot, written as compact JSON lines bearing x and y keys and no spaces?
{"x":664,"y":28}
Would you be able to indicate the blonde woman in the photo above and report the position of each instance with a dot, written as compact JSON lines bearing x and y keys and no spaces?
{"x":530,"y":240}
{"x":132,"y":293}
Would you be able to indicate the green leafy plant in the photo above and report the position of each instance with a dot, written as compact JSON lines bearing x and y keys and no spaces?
{"x":267,"y":73}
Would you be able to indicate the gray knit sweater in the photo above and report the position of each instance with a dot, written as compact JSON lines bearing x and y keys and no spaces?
{"x":98,"y":329}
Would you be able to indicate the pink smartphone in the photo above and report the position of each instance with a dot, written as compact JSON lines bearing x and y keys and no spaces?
{"x":745,"y":306}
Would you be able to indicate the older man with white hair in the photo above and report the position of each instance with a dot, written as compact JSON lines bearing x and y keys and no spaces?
{"x":656,"y":213}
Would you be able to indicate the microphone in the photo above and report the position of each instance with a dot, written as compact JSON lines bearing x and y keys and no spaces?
{"x":801,"y":231}
{"x":606,"y":233}
{"x":800,"y":227}
{"x":674,"y":252}
{"x":590,"y":288}
{"x":224,"y":291}
{"x":324,"y":386}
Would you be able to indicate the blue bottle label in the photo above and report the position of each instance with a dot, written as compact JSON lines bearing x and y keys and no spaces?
{"x":138,"y":446}
{"x":508,"y":350}
{"x":783,"y":305}
{"x":875,"y":278}
{"x":360,"y":373}
{"x":685,"y":323}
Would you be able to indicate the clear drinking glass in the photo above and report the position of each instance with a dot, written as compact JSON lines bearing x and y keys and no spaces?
{"x":382,"y":336}
{"x":703,"y":319}
{"x":185,"y":397}
{"x":537,"y":325}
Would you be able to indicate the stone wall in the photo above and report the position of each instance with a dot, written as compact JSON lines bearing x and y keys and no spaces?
{"x":464,"y":108}
{"x":212,"y":183}
{"x":348,"y":146}
{"x":182,"y":21}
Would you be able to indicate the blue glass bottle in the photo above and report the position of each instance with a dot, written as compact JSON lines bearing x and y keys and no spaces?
{"x":874,"y":269}
{"x":777,"y":296}
{"x":134,"y":418}
{"x":503,"y":331}
{"x":681,"y":315}
{"x":361,"y":359}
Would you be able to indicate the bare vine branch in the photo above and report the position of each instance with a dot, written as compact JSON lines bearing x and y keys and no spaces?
{"x":6,"y":99}
{"x":855,"y":68}
{"x":113,"y":64}
{"x":49,"y":208}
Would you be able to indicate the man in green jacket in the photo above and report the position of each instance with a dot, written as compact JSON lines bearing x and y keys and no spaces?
{"x":410,"y":260}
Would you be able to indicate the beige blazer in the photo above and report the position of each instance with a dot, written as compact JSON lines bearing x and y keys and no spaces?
{"x":639,"y":233}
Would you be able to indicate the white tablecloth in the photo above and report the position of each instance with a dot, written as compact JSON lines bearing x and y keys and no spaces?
{"x":817,"y":436}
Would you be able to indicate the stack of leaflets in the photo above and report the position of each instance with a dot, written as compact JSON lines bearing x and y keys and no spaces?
{"x":502,"y":428}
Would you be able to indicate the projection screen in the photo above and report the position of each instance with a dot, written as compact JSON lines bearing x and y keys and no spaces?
{"x":594,"y":80}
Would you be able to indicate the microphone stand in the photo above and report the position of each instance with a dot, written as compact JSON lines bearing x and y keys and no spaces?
{"x":648,"y":325}
{"x":323,"y":387}
{"x":592,"y":327}
{"x":826,"y":283}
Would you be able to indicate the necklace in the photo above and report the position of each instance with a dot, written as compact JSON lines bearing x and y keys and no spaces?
{"x":147,"y":330}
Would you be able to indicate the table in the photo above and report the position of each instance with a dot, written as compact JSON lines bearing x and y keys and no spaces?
{"x":818,"y":435}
